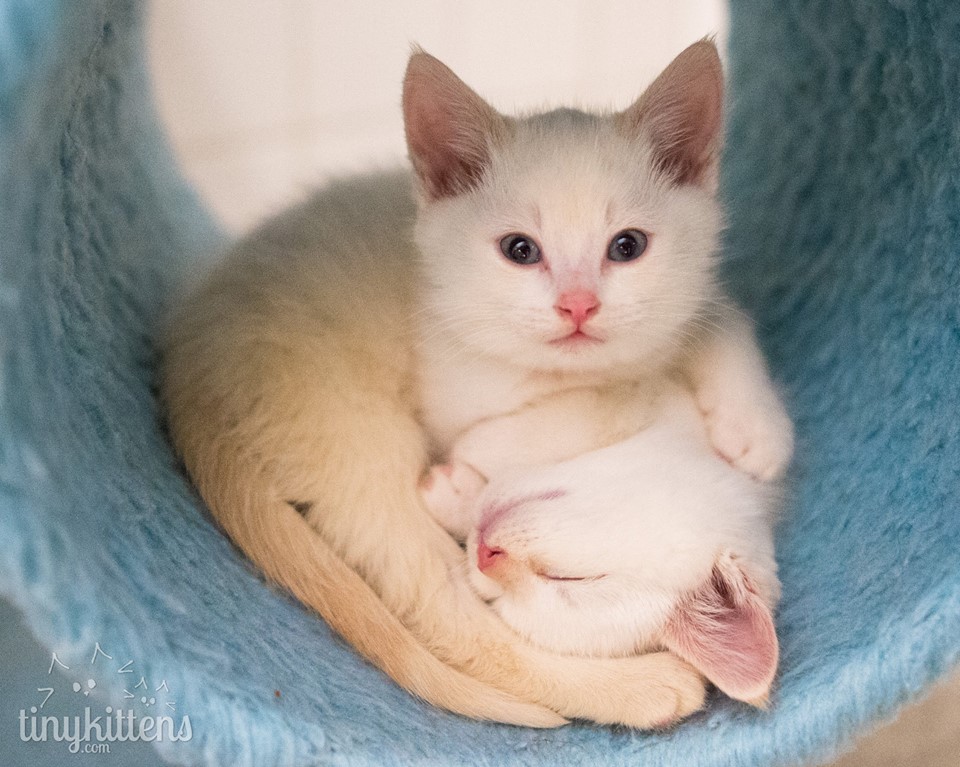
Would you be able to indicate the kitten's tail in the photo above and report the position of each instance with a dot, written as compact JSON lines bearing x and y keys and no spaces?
{"x":294,"y":555}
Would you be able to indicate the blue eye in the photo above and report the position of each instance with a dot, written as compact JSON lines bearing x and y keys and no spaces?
{"x":627,"y":245}
{"x":520,"y":249}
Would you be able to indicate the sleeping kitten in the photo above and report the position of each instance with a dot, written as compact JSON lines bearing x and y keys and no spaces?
{"x":653,"y":542}
{"x":291,"y":390}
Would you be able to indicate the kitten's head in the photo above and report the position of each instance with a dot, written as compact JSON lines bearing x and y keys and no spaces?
{"x":599,"y":569}
{"x":567,"y":240}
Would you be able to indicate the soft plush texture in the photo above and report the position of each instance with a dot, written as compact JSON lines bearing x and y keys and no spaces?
{"x":843,"y":181}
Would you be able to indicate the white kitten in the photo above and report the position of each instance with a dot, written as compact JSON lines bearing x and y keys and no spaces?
{"x":580,"y":263}
{"x":652,"y":542}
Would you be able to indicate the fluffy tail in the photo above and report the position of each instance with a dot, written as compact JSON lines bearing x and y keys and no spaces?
{"x":292,"y":554}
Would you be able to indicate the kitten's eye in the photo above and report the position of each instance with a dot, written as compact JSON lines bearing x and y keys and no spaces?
{"x":627,"y":245}
{"x":519,"y":249}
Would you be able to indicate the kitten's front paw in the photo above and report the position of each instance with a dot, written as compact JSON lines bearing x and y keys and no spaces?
{"x":667,"y":689}
{"x":756,"y":439}
{"x":449,"y":491}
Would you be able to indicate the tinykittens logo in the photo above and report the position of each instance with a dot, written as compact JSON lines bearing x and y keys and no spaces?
{"x":150,"y":716}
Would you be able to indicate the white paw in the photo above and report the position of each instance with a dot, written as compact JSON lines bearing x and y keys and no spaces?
{"x":449,"y":491}
{"x":660,"y":690}
{"x":755,"y":438}
{"x":685,"y":686}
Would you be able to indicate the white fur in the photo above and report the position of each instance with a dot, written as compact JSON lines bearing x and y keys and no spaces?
{"x":499,"y":397}
{"x":643,"y":521}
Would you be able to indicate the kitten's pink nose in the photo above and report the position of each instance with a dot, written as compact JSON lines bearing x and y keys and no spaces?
{"x":488,"y":557}
{"x":577,"y":305}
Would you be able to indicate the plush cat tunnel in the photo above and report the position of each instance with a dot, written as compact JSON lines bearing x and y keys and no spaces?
{"x":842,"y":178}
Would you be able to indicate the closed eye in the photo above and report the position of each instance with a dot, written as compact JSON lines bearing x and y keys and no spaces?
{"x":570,"y":578}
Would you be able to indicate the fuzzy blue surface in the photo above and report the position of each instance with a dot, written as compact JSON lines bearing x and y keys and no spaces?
{"x":843,"y":182}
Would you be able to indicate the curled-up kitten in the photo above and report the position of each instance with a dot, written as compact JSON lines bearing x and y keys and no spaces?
{"x":292,"y":392}
{"x":654,"y":542}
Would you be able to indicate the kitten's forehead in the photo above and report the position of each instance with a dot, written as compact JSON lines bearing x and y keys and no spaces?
{"x":565,"y":134}
{"x":573,"y":163}
{"x":565,"y":118}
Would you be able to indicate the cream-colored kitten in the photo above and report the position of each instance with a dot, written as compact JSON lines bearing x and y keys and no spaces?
{"x":291,"y":389}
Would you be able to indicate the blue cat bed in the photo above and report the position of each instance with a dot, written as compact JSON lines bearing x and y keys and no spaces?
{"x":843,"y":182}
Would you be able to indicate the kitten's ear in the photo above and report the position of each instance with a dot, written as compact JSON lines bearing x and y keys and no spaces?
{"x":682,"y":114}
{"x":449,"y":128}
{"x":726,"y":632}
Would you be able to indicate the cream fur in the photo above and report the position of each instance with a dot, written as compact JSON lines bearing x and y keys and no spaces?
{"x":288,"y":377}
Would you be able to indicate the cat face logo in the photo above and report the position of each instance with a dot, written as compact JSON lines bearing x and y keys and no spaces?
{"x":77,"y":687}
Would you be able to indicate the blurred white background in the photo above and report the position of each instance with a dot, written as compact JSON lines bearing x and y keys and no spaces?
{"x":263,"y":99}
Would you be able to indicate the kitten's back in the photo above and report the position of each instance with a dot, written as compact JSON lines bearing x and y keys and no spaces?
{"x":286,"y":383}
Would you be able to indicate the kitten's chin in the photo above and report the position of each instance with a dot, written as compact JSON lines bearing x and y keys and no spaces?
{"x":593,"y":355}
{"x":571,"y":354}
{"x":575,"y":341}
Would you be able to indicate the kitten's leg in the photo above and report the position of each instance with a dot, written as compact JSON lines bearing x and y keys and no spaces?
{"x":746,"y":420}
{"x":553,"y":429}
{"x":556,"y":428}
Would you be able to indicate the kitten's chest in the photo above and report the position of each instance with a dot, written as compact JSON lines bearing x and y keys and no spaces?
{"x":455,"y":393}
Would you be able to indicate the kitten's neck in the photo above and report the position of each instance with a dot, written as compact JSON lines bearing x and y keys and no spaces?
{"x":458,"y":388}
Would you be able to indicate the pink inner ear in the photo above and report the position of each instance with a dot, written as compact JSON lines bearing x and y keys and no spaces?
{"x":449,"y":127}
{"x":682,"y":113}
{"x":726,"y":631}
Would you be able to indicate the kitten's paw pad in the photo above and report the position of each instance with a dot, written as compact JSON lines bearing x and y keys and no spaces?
{"x":449,"y":490}
{"x":758,"y":442}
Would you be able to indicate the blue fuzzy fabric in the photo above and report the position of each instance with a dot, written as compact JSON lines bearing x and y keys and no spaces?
{"x":843,"y":183}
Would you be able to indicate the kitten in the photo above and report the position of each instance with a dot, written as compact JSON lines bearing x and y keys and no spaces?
{"x":652,"y":542}
{"x":290,"y":387}
{"x":578,"y":274}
